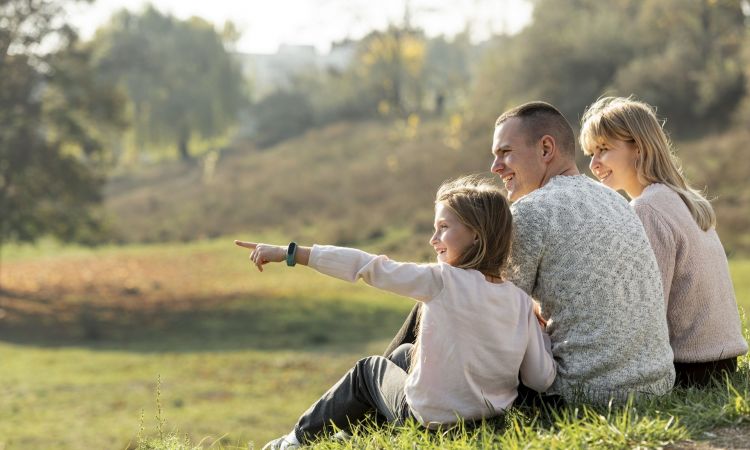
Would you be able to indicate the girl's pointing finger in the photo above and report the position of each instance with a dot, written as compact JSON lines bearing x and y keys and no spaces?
{"x":250,"y":245}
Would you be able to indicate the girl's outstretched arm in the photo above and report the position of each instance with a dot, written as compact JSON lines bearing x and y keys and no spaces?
{"x":263,"y":253}
{"x":418,"y":281}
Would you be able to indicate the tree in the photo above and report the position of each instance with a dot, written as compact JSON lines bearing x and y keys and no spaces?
{"x":179,"y":78}
{"x":682,"y":56}
{"x":391,"y":63}
{"x":743,"y":114}
{"x":447,"y":71}
{"x":690,"y":65}
{"x":567,"y":55}
{"x":51,"y":106}
{"x":281,"y":115}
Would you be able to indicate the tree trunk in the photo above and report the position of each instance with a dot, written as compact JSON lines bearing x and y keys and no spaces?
{"x":1,"y":264}
{"x":182,"y":145}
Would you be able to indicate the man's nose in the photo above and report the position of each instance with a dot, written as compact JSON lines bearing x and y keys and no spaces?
{"x":497,"y":165}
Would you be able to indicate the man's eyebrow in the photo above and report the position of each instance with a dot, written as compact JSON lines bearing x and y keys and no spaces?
{"x":501,"y":148}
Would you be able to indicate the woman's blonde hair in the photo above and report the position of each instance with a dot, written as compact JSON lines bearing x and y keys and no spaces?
{"x":481,"y":206}
{"x":630,"y":120}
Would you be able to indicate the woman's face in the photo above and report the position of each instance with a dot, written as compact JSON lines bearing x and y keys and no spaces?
{"x":613,"y":162}
{"x":451,"y":238}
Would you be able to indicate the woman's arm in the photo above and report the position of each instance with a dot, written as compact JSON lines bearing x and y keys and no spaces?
{"x":662,"y":242}
{"x":419,"y":281}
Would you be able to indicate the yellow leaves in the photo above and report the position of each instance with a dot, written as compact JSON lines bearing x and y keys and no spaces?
{"x":395,"y":51}
{"x":384,"y":108}
{"x":413,"y":55}
{"x":453,"y":138}
{"x":406,"y":129}
{"x":392,"y":163}
{"x":412,"y":126}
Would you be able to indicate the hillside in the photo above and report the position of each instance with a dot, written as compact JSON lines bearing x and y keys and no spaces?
{"x":360,"y":182}
{"x":342,"y":184}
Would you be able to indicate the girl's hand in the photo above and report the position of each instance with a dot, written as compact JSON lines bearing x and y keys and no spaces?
{"x":538,"y":313}
{"x":264,"y":253}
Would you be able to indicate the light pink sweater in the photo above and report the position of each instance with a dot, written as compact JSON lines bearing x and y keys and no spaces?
{"x":475,"y":336}
{"x":702,"y":316}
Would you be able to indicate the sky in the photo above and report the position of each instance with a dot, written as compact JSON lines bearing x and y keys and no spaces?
{"x":267,"y":24}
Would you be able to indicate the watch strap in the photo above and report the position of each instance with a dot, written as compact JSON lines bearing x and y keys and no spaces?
{"x":291,"y":254}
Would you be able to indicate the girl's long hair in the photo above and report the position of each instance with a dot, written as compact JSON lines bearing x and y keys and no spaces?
{"x":633,"y":121}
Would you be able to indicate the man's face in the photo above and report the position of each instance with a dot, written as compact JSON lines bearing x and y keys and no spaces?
{"x":517,"y":162}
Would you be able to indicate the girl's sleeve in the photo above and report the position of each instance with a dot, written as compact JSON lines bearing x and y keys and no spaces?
{"x":538,"y":367}
{"x":418,"y":281}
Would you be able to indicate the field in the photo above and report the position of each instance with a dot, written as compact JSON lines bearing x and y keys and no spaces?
{"x":86,"y":336}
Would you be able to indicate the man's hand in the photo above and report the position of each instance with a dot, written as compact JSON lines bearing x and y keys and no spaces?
{"x":263,"y":253}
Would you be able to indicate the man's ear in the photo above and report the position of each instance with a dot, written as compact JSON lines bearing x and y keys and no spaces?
{"x":549,"y":147}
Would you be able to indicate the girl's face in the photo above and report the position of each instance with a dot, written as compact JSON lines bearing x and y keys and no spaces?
{"x":613,"y":162}
{"x":452,"y":238}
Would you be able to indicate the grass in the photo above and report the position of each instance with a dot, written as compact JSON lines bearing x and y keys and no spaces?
{"x":86,"y":333}
{"x":674,"y":419}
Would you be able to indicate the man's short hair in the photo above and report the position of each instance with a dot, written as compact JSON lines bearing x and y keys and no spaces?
{"x":540,"y":118}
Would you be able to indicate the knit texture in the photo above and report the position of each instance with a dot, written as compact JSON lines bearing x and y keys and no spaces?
{"x":582,"y":252}
{"x":704,"y":324}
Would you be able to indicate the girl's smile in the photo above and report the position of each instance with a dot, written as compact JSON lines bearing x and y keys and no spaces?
{"x":451,"y":238}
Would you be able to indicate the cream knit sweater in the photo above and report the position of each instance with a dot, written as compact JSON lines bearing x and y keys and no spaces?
{"x":581,"y":251}
{"x":701,"y":307}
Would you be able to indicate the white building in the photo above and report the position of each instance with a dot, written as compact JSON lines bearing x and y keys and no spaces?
{"x":269,"y":72}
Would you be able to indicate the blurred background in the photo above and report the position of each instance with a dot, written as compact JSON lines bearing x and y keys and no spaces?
{"x":138,"y":139}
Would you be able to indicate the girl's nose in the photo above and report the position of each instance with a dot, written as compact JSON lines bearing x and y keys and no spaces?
{"x":434,"y":239}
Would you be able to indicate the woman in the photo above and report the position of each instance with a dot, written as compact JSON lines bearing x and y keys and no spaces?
{"x":630,"y":152}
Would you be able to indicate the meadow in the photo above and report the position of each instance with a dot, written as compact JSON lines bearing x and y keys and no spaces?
{"x":89,"y":336}
{"x":84,"y":335}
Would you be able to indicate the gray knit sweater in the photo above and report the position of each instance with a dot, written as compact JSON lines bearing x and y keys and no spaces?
{"x":581,"y":251}
{"x":701,"y":306}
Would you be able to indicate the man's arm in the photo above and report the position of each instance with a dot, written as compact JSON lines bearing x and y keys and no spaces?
{"x":527,"y":246}
{"x":538,"y":367}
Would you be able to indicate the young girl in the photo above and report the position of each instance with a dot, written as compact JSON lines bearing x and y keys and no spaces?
{"x":630,"y":152}
{"x":477,"y":332}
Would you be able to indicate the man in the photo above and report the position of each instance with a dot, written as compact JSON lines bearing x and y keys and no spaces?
{"x":581,"y":252}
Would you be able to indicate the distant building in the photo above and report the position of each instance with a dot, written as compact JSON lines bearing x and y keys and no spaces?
{"x":269,"y":72}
